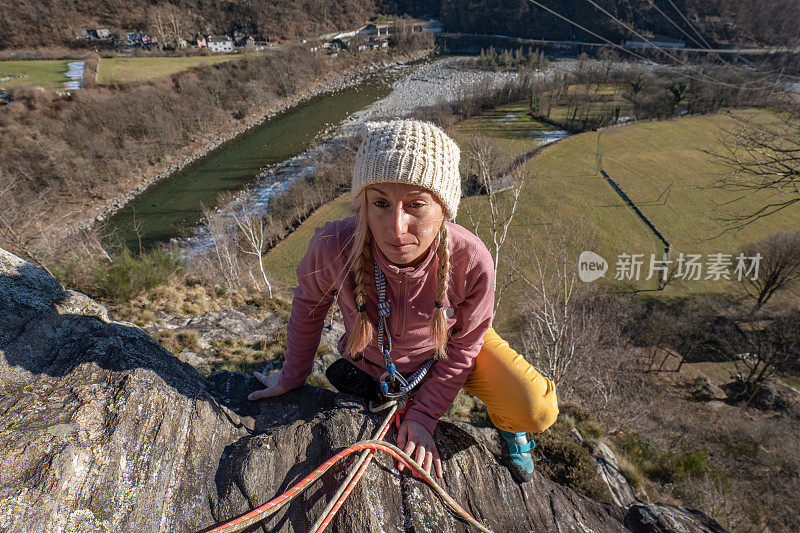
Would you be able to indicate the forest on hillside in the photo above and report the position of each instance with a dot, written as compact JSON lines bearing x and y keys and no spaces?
{"x":719,"y":22}
{"x":52,"y":22}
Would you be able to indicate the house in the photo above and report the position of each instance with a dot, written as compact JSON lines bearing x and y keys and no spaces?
{"x":81,"y":34}
{"x":376,"y":29}
{"x":220,"y":44}
{"x":200,"y":41}
{"x":660,"y":41}
{"x":102,"y":33}
{"x":375,"y":35}
{"x":312,"y":46}
{"x":251,"y":44}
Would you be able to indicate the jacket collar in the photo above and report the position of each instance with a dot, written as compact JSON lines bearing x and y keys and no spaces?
{"x":392,"y":271}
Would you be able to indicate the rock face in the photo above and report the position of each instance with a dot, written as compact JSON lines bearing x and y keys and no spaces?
{"x":104,"y":430}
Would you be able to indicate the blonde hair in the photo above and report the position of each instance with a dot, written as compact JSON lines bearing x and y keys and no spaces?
{"x":360,"y":261}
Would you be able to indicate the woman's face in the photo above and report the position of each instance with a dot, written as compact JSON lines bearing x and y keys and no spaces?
{"x":404,"y":220}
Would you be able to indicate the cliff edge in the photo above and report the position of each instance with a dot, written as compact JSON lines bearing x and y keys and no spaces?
{"x":104,"y":430}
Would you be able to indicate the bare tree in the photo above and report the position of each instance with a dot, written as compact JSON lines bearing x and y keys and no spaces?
{"x":778,"y":266}
{"x":500,"y":183}
{"x":15,"y":230}
{"x":759,"y":350}
{"x":761,"y":159}
{"x":221,"y":256}
{"x":559,"y":325}
{"x":252,"y":227}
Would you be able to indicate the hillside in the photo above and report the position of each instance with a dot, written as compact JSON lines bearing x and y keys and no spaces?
{"x":749,"y":22}
{"x":664,"y":168}
{"x":719,"y":22}
{"x":33,"y":24}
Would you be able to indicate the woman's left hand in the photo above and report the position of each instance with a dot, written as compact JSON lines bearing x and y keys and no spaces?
{"x":418,"y":443}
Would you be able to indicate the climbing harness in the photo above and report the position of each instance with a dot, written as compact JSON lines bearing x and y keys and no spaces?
{"x":392,"y":383}
{"x":395,"y":387}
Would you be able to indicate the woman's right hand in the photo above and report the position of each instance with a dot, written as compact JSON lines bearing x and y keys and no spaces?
{"x":272,"y":384}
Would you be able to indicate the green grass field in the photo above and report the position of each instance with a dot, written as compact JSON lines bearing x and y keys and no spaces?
{"x":132,"y":69}
{"x":663,"y":169}
{"x":281,"y":262}
{"x":46,"y":73}
{"x":660,"y":165}
{"x":50,"y":73}
{"x":510,"y":125}
{"x":602,"y":101}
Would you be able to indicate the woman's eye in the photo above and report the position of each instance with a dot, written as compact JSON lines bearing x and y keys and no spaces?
{"x":380,"y":203}
{"x":416,"y":205}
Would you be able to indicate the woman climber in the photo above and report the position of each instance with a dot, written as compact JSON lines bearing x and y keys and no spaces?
{"x":416,"y":293}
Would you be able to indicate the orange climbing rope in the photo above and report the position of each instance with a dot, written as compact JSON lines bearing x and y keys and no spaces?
{"x":352,"y":479}
{"x":272,"y":506}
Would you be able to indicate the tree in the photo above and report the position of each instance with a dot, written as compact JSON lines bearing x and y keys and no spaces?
{"x":778,"y":266}
{"x":501,"y":184}
{"x":251,"y":224}
{"x":560,"y":325}
{"x":220,"y":258}
{"x":764,"y":160}
{"x":759,"y":351}
{"x":24,"y":243}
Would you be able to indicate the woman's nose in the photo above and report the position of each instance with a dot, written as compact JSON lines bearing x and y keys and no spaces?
{"x":400,"y":222}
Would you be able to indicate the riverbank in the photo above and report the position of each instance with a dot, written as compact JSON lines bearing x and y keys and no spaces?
{"x":213,"y":140}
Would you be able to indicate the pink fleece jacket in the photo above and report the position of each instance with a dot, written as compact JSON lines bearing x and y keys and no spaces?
{"x":411,"y":292}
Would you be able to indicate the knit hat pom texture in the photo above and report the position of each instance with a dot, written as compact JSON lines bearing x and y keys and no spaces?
{"x":412,"y":152}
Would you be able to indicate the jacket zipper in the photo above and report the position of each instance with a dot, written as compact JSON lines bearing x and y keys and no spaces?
{"x":402,"y":303}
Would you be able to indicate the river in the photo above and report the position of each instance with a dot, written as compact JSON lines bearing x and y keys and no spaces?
{"x":173,"y":206}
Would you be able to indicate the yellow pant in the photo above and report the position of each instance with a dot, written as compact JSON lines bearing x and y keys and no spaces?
{"x":517,"y":397}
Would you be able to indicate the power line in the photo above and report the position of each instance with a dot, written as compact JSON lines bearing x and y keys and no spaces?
{"x":688,"y":23}
{"x":660,"y":49}
{"x":710,"y":78}
{"x":695,"y":41}
{"x":626,"y":50}
{"x":704,"y":45}
{"x":590,"y":32}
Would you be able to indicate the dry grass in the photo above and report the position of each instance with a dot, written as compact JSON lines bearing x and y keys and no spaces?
{"x":188,"y":297}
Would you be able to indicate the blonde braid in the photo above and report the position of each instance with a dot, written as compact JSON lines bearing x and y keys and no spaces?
{"x":363,"y":330}
{"x":439,"y":318}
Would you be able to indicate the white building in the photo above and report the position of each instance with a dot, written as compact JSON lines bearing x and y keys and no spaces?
{"x":220,"y":44}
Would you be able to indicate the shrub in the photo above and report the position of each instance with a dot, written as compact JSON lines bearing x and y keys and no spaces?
{"x":127,"y":276}
{"x":664,"y":466}
{"x":565,"y":461}
{"x":189,"y":340}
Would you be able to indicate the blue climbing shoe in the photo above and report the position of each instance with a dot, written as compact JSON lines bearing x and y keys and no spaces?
{"x":521,"y":459}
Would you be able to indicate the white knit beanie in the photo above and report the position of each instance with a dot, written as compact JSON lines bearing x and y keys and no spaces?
{"x":410,"y":151}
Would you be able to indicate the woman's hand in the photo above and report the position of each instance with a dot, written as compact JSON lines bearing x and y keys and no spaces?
{"x":414,"y":437}
{"x":272,"y":384}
